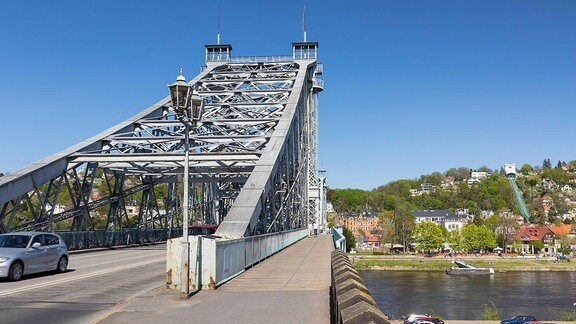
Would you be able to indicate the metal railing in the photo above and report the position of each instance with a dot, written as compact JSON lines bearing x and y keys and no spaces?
{"x":214,"y":260}
{"x":234,"y":256}
{"x":318,"y":82}
{"x":104,"y":238}
{"x":251,"y":59}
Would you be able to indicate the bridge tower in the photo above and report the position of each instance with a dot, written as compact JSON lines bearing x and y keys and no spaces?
{"x":307,"y":50}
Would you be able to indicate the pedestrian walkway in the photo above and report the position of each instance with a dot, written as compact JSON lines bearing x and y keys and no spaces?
{"x":292,"y":286}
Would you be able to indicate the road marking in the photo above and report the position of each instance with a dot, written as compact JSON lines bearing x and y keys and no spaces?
{"x":88,"y":275}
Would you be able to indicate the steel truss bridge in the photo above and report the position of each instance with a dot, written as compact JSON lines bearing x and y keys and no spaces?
{"x":253,"y":162}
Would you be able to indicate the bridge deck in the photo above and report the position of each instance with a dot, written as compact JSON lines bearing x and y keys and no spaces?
{"x":292,"y":286}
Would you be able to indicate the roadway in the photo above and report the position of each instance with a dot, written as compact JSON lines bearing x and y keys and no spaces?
{"x":95,"y":283}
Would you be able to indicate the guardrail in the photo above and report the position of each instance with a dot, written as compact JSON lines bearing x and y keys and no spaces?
{"x":213,"y":260}
{"x":234,"y":256}
{"x":105,"y":238}
{"x":251,"y":59}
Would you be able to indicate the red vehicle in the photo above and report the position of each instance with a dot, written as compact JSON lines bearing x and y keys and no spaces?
{"x":202,"y":229}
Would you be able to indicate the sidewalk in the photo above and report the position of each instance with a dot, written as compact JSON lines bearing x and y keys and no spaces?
{"x":292,"y":286}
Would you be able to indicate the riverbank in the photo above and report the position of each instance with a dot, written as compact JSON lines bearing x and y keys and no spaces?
{"x":414,"y":263}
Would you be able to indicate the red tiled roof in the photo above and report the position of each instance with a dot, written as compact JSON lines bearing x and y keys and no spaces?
{"x":531,"y":233}
{"x":373,"y":239}
{"x":561,"y":230}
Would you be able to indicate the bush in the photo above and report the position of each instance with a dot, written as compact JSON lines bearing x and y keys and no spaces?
{"x":377,"y":253}
{"x":567,"y":316}
{"x":490,"y":312}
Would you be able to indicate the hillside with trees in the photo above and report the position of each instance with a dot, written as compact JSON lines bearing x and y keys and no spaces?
{"x":485,"y":195}
{"x":492,"y":193}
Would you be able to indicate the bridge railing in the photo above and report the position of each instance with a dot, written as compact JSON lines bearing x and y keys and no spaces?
{"x":251,"y":59}
{"x":213,"y":261}
{"x":234,"y":256}
{"x":105,"y":238}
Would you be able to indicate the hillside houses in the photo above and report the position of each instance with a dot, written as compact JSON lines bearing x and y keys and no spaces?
{"x":443,"y":217}
{"x":364,"y":226}
{"x":527,"y":235}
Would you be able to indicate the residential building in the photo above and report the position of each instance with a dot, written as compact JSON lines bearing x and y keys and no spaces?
{"x":471,"y":181}
{"x":567,"y":189}
{"x":530,"y":233}
{"x":132,"y":208}
{"x":444,"y":218}
{"x":329,"y":207}
{"x":436,"y":216}
{"x":415,"y":192}
{"x":547,"y":203}
{"x":479,"y":175}
{"x":549,"y":184}
{"x":454,"y":222}
{"x":427,"y":187}
{"x":448,"y":182}
{"x":359,"y":224}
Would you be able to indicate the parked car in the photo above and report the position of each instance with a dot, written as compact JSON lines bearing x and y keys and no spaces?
{"x":422,"y":319}
{"x":521,"y":319}
{"x":202,"y":229}
{"x":23,"y":253}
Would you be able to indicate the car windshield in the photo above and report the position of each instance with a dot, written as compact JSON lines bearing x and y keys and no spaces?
{"x":14,"y":241}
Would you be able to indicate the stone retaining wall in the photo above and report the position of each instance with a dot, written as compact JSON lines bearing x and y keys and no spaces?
{"x":351,"y":301}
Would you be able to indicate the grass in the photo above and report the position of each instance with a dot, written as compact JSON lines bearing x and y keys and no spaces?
{"x":441,"y":264}
{"x":490,"y":312}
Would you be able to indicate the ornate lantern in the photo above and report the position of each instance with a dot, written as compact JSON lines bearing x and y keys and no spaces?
{"x":180,"y":93}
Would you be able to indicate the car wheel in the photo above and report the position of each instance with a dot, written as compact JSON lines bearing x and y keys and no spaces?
{"x":62,"y":265}
{"x":16,"y":271}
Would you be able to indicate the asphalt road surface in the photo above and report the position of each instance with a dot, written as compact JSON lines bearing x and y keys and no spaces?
{"x":94,"y":284}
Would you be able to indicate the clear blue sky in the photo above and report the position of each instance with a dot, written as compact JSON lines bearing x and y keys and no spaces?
{"x":411,"y":87}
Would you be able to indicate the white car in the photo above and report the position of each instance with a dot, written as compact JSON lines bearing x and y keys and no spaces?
{"x":23,"y":253}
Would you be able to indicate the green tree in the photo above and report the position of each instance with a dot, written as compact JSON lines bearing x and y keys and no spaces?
{"x":508,"y":227}
{"x":350,"y":239}
{"x":558,"y":175}
{"x":538,"y":245}
{"x":387,"y":228}
{"x":478,"y":238}
{"x":546,"y":164}
{"x":485,"y":169}
{"x":526,"y":169}
{"x":458,"y":174}
{"x":348,"y":200}
{"x":455,"y":239}
{"x":428,"y":236}
{"x":403,"y":223}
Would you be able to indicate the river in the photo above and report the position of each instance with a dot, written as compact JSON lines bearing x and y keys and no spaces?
{"x":542,"y":294}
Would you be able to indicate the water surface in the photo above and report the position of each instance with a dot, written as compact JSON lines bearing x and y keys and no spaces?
{"x":542,"y":294}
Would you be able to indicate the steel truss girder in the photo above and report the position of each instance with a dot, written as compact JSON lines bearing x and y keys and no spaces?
{"x":275,"y":196}
{"x":250,"y":143}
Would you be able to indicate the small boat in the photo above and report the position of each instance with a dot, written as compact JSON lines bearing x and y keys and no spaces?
{"x":468,"y":269}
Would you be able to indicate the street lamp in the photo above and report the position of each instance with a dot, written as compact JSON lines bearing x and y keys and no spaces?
{"x":188,"y":109}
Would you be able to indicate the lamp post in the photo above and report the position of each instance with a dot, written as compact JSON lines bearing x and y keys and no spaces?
{"x":188,"y":109}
